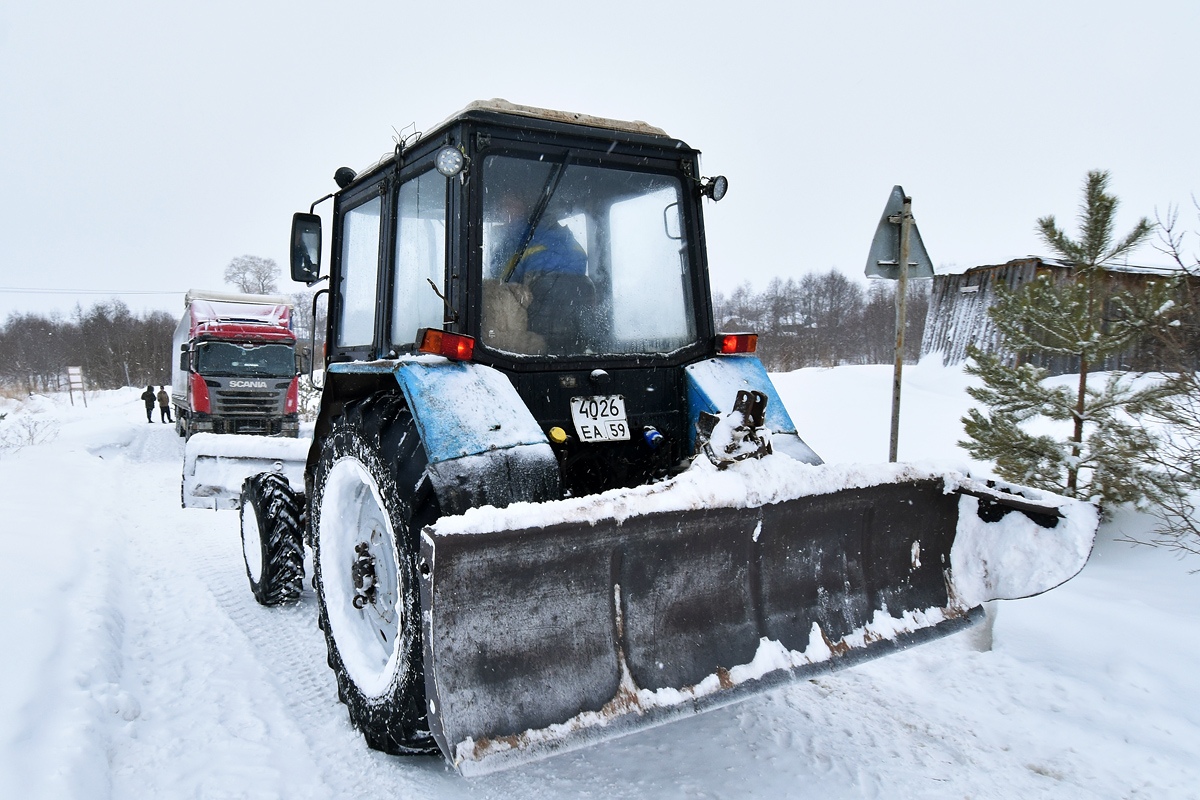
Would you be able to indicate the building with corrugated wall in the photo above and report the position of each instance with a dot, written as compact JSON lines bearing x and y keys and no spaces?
{"x":959,"y":304}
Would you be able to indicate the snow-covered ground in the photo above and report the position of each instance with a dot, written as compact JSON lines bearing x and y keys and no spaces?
{"x":137,"y":664}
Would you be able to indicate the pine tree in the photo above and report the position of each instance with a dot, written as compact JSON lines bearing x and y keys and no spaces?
{"x":1105,"y":457}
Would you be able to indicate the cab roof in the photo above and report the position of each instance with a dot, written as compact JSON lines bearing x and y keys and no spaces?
{"x":499,"y":106}
{"x":496,"y":110}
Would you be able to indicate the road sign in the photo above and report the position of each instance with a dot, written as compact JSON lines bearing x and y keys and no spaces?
{"x":884,"y":259}
{"x":75,"y":381}
{"x":897,"y":242}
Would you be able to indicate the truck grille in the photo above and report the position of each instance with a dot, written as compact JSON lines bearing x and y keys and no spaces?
{"x":248,"y":402}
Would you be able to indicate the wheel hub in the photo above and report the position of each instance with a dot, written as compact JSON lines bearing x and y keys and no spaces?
{"x":363,"y":574}
{"x":360,"y":575}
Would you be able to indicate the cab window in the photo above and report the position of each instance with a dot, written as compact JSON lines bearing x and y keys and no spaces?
{"x":583,"y":259}
{"x":420,"y":257}
{"x":359,"y":274}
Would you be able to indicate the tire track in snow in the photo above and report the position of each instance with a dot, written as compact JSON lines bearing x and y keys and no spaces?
{"x":289,"y":644}
{"x":189,"y":581}
{"x":287,"y":641}
{"x":79,"y":669}
{"x":212,"y":722}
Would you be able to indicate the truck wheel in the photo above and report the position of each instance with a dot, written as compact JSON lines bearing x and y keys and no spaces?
{"x":271,"y":539}
{"x":366,"y":515}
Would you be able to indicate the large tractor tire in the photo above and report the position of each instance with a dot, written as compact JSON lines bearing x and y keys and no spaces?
{"x":271,"y":539}
{"x":369,"y":503}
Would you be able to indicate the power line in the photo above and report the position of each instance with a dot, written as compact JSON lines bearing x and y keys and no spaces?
{"x":22,"y":290}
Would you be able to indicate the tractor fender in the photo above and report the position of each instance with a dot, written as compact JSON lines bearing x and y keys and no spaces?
{"x":483,"y":445}
{"x":712,"y":386}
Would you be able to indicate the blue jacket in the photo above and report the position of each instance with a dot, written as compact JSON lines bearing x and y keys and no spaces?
{"x":553,"y":248}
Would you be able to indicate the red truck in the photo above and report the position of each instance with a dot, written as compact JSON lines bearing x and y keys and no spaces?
{"x":236,"y":368}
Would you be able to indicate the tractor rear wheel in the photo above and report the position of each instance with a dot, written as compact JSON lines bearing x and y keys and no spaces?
{"x":367,"y":510}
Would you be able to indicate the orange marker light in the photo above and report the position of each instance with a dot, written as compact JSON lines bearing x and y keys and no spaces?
{"x":453,"y":346}
{"x":730,"y":343}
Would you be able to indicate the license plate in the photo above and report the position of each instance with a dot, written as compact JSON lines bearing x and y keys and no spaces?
{"x":600,"y":418}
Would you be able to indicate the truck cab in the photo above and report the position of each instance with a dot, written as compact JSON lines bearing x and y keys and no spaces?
{"x":235,"y":371}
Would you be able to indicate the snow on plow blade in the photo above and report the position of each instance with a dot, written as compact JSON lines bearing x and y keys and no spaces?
{"x":552,"y":626}
{"x":215,"y":465}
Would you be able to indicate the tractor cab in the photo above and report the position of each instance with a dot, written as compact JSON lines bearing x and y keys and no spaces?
{"x":566,"y":251}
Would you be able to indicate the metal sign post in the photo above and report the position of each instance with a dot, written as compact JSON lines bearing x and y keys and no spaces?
{"x":901,"y":305}
{"x":896,"y":242}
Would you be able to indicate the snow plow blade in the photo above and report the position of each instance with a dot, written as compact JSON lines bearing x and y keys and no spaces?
{"x":215,"y":465}
{"x":551,"y":626}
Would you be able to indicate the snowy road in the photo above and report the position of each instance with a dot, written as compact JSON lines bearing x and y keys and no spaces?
{"x":139,"y":665}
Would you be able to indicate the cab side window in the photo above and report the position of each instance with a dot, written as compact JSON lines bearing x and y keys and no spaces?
{"x":420,"y":256}
{"x":360,"y":274}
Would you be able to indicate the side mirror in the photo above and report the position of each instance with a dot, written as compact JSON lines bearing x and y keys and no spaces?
{"x":306,"y":248}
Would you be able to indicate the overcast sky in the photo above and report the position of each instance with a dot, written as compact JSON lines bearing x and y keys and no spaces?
{"x":144,"y":145}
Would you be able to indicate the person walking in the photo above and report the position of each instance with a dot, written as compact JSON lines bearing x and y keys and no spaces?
{"x":164,"y":404}
{"x":148,"y":398}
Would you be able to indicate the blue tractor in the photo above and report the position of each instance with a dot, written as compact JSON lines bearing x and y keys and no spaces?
{"x":549,"y":501}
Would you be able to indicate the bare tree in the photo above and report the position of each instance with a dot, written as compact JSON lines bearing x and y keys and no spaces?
{"x":822,"y":319}
{"x":1178,"y":452}
{"x":830,"y":308}
{"x":115,"y":348}
{"x":310,"y":331}
{"x":879,"y":322}
{"x":253,"y":274}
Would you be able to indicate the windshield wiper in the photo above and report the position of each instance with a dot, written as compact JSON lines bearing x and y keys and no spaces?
{"x":552,"y":181}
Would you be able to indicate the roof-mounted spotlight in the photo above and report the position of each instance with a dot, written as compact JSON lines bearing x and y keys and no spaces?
{"x":450,"y":161}
{"x":714,"y":188}
{"x":344,"y":176}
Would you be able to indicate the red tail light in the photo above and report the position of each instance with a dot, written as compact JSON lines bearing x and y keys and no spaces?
{"x":730,"y":343}
{"x":200,"y":401}
{"x":453,"y":346}
{"x":291,"y":403}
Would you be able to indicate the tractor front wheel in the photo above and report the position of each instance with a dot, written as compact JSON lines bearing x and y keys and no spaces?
{"x":365,"y":514}
{"x":272,"y":542}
